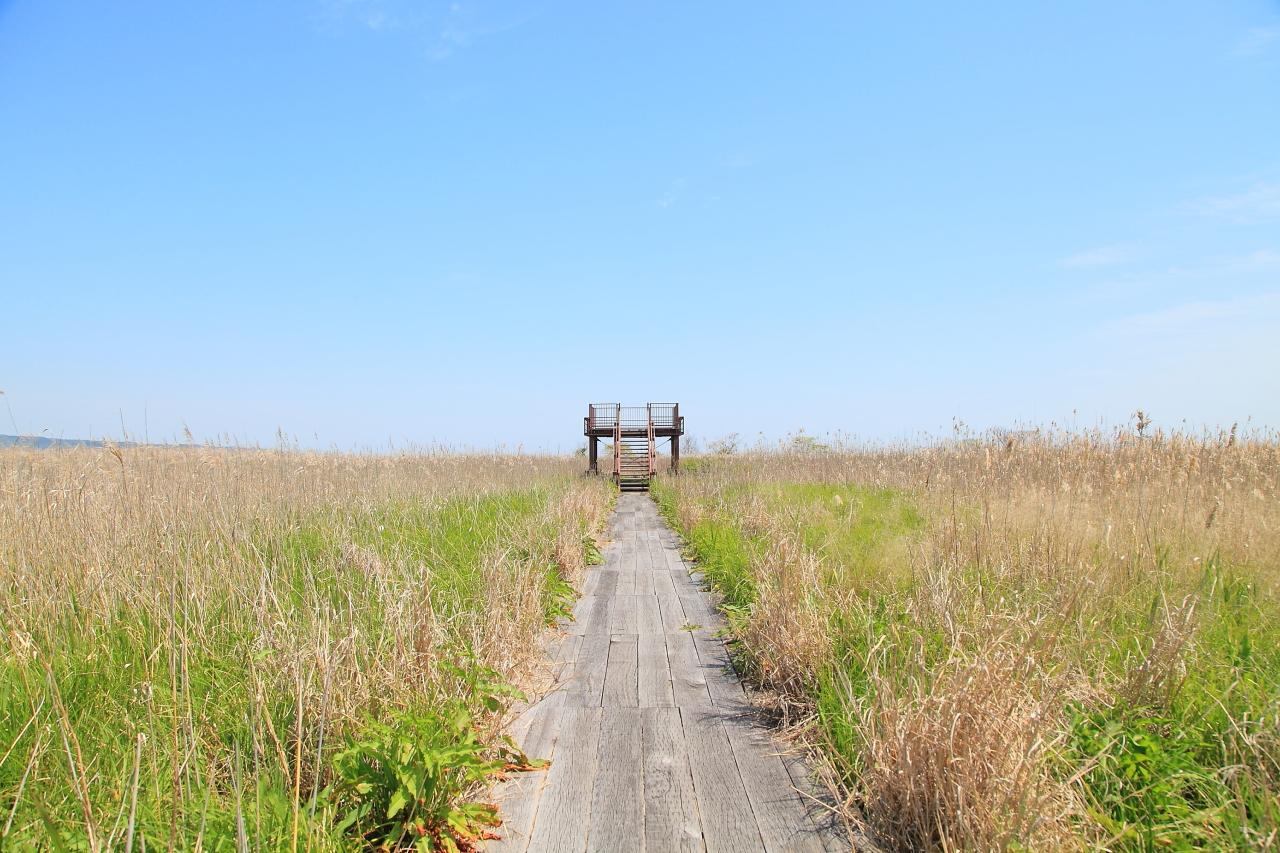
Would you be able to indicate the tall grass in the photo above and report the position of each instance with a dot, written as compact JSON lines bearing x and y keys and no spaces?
{"x":1046,"y":641}
{"x":189,"y":637}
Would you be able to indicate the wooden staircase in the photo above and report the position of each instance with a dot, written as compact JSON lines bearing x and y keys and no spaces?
{"x":635,"y":456}
{"x":634,"y":466}
{"x":635,"y":432}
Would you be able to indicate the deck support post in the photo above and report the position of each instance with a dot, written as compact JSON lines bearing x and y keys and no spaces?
{"x":593,"y":456}
{"x":675,"y":454}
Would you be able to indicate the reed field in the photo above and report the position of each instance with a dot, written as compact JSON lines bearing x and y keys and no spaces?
{"x":1038,"y":641}
{"x":215,"y":649}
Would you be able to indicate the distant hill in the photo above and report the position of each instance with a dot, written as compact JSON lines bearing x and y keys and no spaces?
{"x":42,"y":442}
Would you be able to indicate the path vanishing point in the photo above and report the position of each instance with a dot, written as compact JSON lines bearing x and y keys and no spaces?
{"x":652,"y":741}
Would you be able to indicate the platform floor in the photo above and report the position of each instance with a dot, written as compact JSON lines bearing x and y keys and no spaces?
{"x":653,"y":744}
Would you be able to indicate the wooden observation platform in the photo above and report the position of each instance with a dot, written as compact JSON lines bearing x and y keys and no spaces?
{"x":635,"y":432}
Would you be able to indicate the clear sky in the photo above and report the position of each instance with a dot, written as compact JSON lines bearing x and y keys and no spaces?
{"x":363,"y":221}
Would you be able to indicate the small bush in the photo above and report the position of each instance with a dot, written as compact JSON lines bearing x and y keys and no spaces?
{"x":401,"y":783}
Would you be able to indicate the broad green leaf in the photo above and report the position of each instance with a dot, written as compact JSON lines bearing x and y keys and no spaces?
{"x":398,"y":801}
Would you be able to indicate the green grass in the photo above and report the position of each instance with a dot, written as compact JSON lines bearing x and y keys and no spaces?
{"x":1184,"y":772}
{"x":191,"y":677}
{"x":856,"y":532}
{"x":1193,"y":768}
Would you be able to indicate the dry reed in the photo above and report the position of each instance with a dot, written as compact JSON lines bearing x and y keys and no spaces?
{"x":952,"y":669}
{"x":178,"y":625}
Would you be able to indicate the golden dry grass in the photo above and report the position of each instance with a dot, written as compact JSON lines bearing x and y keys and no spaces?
{"x":185,"y":633}
{"x":1049,"y":640}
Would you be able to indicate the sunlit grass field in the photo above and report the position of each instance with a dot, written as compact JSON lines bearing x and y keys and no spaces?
{"x":1045,"y":641}
{"x":231,"y":649}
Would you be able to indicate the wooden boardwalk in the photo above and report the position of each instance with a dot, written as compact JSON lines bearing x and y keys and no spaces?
{"x":651,"y":739}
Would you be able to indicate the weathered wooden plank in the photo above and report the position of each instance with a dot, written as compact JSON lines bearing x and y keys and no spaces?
{"x":670,"y":806}
{"x":590,"y":615}
{"x":700,"y":583}
{"x":728,"y":822}
{"x":696,"y":610}
{"x":607,"y":583}
{"x":594,"y":574}
{"x":722,"y":682}
{"x":688,"y":685}
{"x":644,"y":581}
{"x":609,"y":552}
{"x":662,"y":583}
{"x":559,"y":824}
{"x":780,"y":813}
{"x":586,"y":686}
{"x":646,"y":545}
{"x":654,"y":676}
{"x":626,"y":584}
{"x":623,"y":618}
{"x":563,"y":656}
{"x":582,"y":606}
{"x":672,"y":613}
{"x":621,"y":681}
{"x":518,"y":798}
{"x":684,"y":582}
{"x":657,"y":557}
{"x":617,"y":803}
{"x":648,"y":615}
{"x":629,"y":560}
{"x":820,"y":809}
{"x":617,"y":524}
{"x":600,"y":617}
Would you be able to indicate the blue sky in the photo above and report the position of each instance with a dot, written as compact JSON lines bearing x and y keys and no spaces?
{"x":368,"y":221}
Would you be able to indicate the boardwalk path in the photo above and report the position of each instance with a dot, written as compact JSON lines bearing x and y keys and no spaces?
{"x":650,"y":737}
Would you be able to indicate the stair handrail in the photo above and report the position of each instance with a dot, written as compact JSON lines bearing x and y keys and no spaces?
{"x":617,"y":448}
{"x":653,"y":450}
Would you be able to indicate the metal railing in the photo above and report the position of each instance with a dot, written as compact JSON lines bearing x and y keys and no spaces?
{"x":617,"y":449}
{"x":653,"y":450}
{"x":605,"y":416}
{"x":664,"y":415}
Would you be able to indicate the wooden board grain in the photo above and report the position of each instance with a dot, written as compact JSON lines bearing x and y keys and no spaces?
{"x":671,"y":820}
{"x":722,"y":683}
{"x":654,"y":676}
{"x":560,"y":825}
{"x":586,"y":685}
{"x":617,"y":802}
{"x":688,"y":684}
{"x":780,"y":813}
{"x":648,"y":615}
{"x":622,"y":614}
{"x":728,"y":823}
{"x":621,"y":680}
{"x":519,"y":797}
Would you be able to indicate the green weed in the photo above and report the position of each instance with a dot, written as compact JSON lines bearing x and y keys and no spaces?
{"x":402,"y":782}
